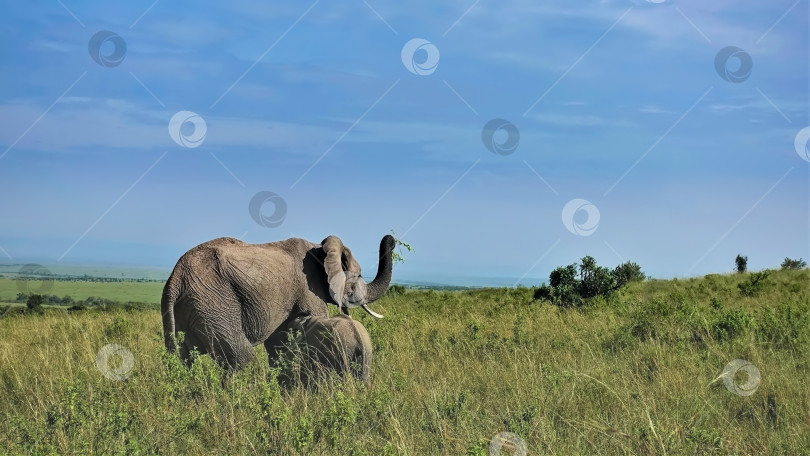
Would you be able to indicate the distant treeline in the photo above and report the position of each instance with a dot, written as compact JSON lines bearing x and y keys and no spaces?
{"x":82,"y":278}
{"x":33,"y":301}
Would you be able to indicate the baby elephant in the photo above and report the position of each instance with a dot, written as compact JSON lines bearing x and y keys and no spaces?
{"x":337,"y":343}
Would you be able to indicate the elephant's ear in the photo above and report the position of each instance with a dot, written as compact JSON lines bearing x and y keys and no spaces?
{"x":350,"y":265}
{"x":333,"y":263}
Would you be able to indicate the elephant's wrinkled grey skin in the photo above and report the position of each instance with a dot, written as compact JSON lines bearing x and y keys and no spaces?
{"x":227,"y":296}
{"x":337,"y":343}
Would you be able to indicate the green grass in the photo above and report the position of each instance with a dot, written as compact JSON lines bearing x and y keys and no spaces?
{"x":638,"y":375}
{"x":147,"y":292}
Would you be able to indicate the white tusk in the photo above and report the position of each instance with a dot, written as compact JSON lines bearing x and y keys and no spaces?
{"x":371,"y":312}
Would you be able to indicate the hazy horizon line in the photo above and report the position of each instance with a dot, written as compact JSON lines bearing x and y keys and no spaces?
{"x":135,"y":271}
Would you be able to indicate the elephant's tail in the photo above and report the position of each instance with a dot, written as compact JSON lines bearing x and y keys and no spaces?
{"x":170,"y":293}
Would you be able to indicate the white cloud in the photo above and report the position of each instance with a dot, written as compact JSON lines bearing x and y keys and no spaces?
{"x":652,"y":109}
{"x":79,"y":122}
{"x":588,"y":120}
{"x":757,"y":103}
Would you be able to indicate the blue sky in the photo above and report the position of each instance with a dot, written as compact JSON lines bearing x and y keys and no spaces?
{"x":617,"y":103}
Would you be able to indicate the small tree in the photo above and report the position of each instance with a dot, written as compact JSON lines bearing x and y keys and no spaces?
{"x":564,"y":287}
{"x":794,"y":264}
{"x":34,"y":301}
{"x":742,"y":263}
{"x":628,"y":272}
{"x":595,"y":280}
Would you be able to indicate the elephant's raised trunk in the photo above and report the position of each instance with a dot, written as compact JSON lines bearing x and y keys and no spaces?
{"x":378,"y":286}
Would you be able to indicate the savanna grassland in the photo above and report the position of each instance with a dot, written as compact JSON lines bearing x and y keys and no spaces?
{"x":638,"y":374}
{"x":145,"y":292}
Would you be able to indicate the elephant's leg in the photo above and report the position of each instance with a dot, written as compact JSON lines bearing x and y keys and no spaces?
{"x":230,"y":349}
{"x":232,"y":352}
{"x":191,"y":342}
{"x":275,"y":346}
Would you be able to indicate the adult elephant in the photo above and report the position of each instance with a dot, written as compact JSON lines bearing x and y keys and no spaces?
{"x":336,"y":343}
{"x":228,"y":296}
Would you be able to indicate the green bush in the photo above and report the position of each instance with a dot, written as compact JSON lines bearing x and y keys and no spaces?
{"x":564,"y":287}
{"x":784,"y":326}
{"x":731,"y":324}
{"x":303,"y":433}
{"x":395,"y":290}
{"x":755,"y":284}
{"x":34,"y":302}
{"x":47,"y":299}
{"x":573,"y":286}
{"x":118,"y":328}
{"x":629,"y":272}
{"x":595,"y":280}
{"x":794,"y":264}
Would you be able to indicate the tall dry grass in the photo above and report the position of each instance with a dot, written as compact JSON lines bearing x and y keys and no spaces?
{"x":637,"y":375}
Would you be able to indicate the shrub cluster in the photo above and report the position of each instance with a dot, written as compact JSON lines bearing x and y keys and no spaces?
{"x":34,"y":303}
{"x":794,"y":264}
{"x":755,"y":284}
{"x":572,"y":285}
{"x":395,"y":290}
{"x":47,"y":299}
{"x":34,"y":300}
